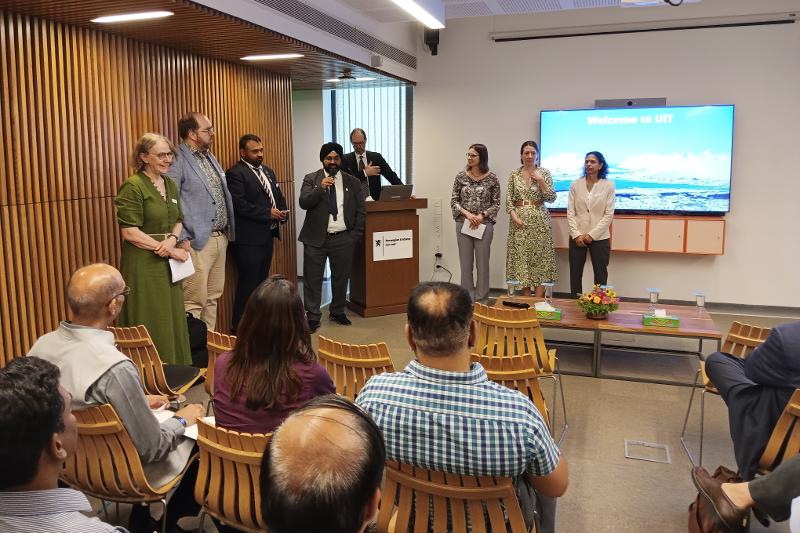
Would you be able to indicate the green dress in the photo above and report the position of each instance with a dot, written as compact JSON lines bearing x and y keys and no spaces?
{"x":530,"y":256}
{"x":154,"y":300}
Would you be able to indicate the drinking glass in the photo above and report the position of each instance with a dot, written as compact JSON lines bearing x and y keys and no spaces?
{"x":548,"y":292}
{"x":700,"y":301}
{"x":512,"y":287}
{"x":654,"y":293}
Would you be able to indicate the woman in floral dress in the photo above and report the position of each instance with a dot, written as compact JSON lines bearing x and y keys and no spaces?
{"x":530,"y":255}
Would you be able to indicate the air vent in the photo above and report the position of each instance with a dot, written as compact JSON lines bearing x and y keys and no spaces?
{"x":322,"y":21}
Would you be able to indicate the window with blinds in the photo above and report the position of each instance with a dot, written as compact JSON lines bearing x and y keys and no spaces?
{"x":384,"y":113}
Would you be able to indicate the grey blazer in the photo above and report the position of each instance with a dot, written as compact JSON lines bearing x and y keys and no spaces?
{"x":197,"y":203}
{"x":314,"y":199}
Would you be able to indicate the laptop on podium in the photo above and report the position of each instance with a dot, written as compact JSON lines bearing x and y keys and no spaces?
{"x":396,"y":192}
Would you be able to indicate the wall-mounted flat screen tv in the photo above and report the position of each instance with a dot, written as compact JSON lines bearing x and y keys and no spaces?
{"x":661,"y":159}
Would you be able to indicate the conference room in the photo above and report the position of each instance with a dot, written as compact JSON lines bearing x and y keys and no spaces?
{"x":686,"y":108}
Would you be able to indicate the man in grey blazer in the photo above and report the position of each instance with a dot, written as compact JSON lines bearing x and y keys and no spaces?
{"x":208,"y":221}
{"x":334,"y":226}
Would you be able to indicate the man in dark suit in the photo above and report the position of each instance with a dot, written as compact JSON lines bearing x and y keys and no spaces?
{"x":367,"y":166}
{"x":334,"y":225}
{"x":756,"y":390}
{"x":259,"y":208}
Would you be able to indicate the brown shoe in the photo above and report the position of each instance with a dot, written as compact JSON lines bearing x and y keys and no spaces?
{"x":731,"y":516}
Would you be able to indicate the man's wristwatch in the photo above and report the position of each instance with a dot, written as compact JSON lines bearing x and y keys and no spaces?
{"x":181,"y":420}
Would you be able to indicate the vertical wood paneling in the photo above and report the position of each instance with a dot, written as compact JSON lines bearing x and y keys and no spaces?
{"x":73,"y":103}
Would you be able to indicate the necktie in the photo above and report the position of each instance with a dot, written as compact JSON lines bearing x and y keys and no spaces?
{"x":361,"y":163}
{"x":333,"y":207}
{"x":262,"y":177}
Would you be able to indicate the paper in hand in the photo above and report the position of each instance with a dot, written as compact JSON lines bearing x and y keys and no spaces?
{"x":181,"y":270}
{"x":473,"y":232}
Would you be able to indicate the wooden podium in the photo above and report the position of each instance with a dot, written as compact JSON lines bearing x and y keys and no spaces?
{"x":381,"y":286}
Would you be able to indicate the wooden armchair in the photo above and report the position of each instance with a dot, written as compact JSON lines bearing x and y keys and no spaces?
{"x":415,"y":499}
{"x":351,"y":365}
{"x":519,"y":373}
{"x":784,"y":443}
{"x":227,"y":479}
{"x":218,"y":343}
{"x":510,"y":332}
{"x":135,"y":342}
{"x":742,"y":339}
{"x":107,"y":466}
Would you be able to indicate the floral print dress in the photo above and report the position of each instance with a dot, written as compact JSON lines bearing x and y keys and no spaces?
{"x":531,"y":257}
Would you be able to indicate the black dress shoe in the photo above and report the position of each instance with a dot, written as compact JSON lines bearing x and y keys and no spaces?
{"x":731,"y":516}
{"x":313,"y":325}
{"x":341,"y":319}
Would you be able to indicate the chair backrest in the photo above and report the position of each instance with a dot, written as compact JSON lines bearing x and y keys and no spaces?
{"x":507,"y":332}
{"x":744,"y":338}
{"x":136,"y":343}
{"x":106,"y":464}
{"x":351,"y":365}
{"x":218,"y":343}
{"x":518,"y":372}
{"x":784,"y":443}
{"x":415,"y":499}
{"x":227,"y":478}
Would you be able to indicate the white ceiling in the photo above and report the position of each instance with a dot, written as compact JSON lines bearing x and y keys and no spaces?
{"x":387,"y":11}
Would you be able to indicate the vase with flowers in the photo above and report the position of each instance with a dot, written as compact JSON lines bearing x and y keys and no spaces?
{"x":598,"y":302}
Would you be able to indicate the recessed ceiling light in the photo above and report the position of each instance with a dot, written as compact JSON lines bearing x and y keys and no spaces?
{"x":130,"y":17}
{"x":365,"y":79}
{"x":267,"y":57}
{"x":333,"y":80}
{"x":428,"y":12}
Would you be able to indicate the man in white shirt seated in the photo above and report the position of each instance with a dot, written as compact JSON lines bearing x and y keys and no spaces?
{"x":39,"y":434}
{"x":94,"y":372}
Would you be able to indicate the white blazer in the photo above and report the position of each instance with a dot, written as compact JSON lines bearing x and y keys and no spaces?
{"x":591,"y":214}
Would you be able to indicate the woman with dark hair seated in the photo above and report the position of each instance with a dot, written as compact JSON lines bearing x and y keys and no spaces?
{"x":273,"y":370}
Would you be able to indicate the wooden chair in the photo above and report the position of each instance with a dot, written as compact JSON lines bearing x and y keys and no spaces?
{"x":784,"y":443}
{"x":218,"y":343}
{"x":107,"y":466}
{"x":351,"y":365}
{"x":742,"y":339}
{"x":519,"y":373}
{"x":135,"y":342}
{"x":415,"y":499}
{"x":509,"y":332}
{"x":227,"y":478}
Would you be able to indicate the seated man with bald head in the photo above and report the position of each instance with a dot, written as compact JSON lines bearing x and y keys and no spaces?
{"x":442,"y":412}
{"x":322,"y":470}
{"x":94,"y":372}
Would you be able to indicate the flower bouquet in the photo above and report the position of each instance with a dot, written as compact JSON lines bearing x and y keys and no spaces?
{"x":598,"y":302}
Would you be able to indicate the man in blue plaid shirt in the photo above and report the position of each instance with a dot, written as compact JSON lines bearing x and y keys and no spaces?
{"x":442,"y":412}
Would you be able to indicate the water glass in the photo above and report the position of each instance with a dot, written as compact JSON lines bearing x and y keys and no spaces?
{"x":700,"y":301}
{"x":654,"y":293}
{"x":548,"y":292}
{"x":512,"y":287}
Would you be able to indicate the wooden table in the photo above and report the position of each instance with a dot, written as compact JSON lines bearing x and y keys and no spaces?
{"x":694,"y":324}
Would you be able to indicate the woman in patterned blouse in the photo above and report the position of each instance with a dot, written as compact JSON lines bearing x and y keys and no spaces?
{"x":475,"y":201}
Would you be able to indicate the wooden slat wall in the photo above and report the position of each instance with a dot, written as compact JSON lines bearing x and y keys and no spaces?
{"x":73,"y":103}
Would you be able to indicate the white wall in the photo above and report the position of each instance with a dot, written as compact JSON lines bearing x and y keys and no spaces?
{"x":476,"y":90}
{"x":307,"y":138}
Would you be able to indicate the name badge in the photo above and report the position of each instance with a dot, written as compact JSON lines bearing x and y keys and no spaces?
{"x":174,"y":201}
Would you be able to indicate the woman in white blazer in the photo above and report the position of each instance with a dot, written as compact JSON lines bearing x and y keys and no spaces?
{"x":589,"y":213}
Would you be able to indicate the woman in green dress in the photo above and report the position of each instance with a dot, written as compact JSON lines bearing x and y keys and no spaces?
{"x":149,"y":215}
{"x":531,"y":257}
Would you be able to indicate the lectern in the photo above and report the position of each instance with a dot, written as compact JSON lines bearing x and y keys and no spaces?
{"x":386,"y":266}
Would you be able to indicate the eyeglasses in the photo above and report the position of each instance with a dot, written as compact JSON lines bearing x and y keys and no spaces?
{"x":163,"y":156}
{"x":210,"y":130}
{"x":125,"y":292}
{"x":472,"y":156}
{"x":354,"y":143}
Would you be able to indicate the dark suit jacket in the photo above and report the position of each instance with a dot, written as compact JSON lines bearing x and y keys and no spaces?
{"x":350,"y":166}
{"x":314,"y":199}
{"x":251,"y":204}
{"x":776,"y":363}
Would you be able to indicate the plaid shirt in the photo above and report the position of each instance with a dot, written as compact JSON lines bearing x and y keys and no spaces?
{"x":49,"y":511}
{"x":458,"y":422}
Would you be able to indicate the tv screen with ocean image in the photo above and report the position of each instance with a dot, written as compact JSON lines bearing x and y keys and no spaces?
{"x":661,"y":159}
